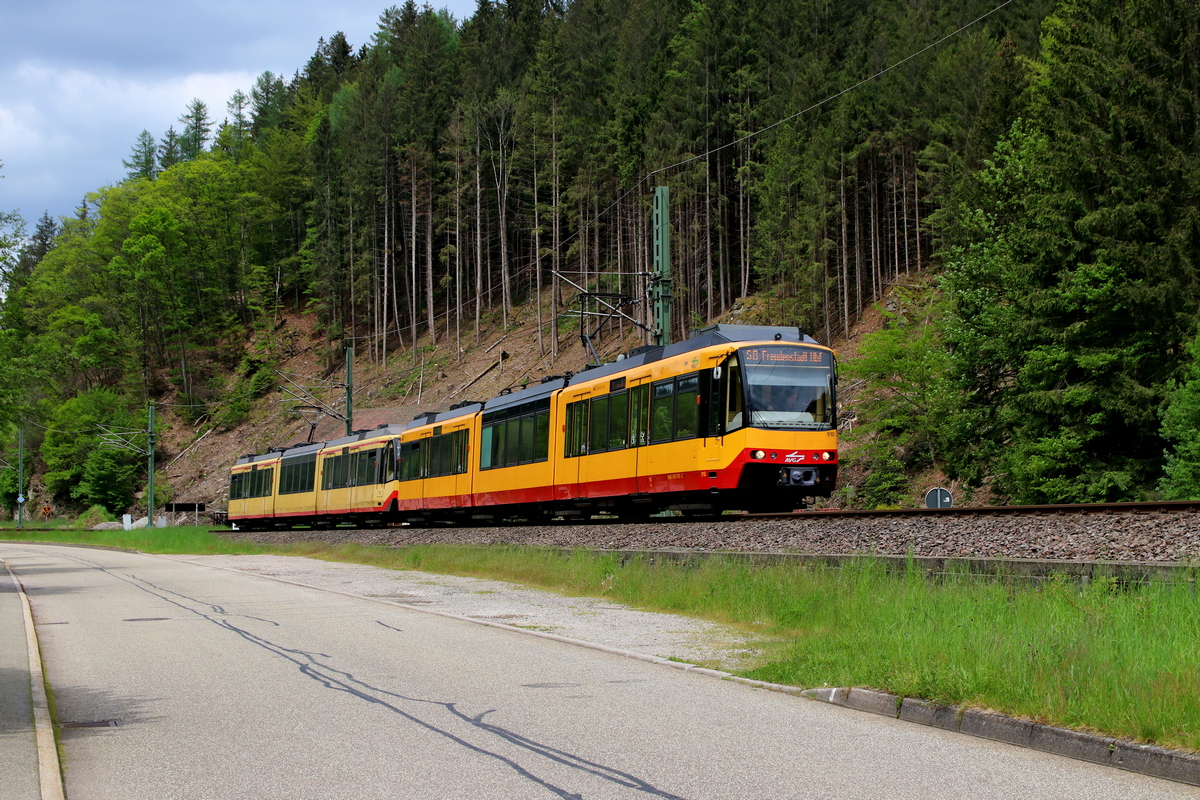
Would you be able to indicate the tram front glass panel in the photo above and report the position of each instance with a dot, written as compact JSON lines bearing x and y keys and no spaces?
{"x":788,"y":387}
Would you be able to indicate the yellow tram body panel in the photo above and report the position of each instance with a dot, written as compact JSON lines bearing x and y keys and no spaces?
{"x":355,"y":478}
{"x":254,"y":485}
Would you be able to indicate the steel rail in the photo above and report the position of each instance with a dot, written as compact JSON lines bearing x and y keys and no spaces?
{"x":1147,"y":507}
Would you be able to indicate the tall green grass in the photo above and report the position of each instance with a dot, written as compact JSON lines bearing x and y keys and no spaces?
{"x":1122,"y":659}
{"x":192,"y":539}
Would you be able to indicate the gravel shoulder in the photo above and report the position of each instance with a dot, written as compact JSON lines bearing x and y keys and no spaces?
{"x":593,"y":620}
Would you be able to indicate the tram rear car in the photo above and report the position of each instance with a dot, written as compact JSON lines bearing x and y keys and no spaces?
{"x":737,"y":417}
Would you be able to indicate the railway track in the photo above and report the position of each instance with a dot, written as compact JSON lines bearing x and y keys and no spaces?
{"x":1159,"y":533}
{"x":1149,"y":507}
{"x":1083,"y":509}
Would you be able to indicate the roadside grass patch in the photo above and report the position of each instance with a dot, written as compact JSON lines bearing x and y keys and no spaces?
{"x":184,"y":539}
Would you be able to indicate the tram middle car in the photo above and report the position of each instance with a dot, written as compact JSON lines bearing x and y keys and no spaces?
{"x":736,"y":417}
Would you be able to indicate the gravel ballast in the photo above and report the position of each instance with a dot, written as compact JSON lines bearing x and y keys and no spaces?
{"x":1151,"y":537}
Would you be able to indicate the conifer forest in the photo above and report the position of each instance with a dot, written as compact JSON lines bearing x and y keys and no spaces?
{"x":1015,"y":184}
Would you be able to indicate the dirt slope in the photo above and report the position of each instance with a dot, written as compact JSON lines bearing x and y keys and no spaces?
{"x":432,"y":377}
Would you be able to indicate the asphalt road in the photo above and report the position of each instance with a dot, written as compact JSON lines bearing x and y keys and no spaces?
{"x":212,"y":684}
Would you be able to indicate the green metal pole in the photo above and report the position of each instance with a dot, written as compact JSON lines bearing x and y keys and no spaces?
{"x":660,"y":283}
{"x":150,"y":470}
{"x":349,"y":390}
{"x":20,"y":477}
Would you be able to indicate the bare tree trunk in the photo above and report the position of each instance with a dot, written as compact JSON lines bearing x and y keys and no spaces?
{"x":412,"y":246}
{"x":388,"y":266}
{"x":708,"y":255}
{"x":457,"y":247}
{"x":872,"y":186}
{"x":429,"y":265}
{"x":537,"y":252}
{"x":917,"y":209}
{"x":556,"y":221}
{"x":895,"y":221}
{"x":396,"y":271}
{"x":743,"y":227}
{"x":904,"y":194}
{"x":845,"y":252}
{"x":478,"y":238}
{"x":858,"y":254}
{"x":825,"y":270}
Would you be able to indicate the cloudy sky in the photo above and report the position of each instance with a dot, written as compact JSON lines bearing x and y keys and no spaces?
{"x":80,"y":79}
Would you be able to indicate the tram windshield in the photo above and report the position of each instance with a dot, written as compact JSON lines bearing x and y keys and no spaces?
{"x":789,"y":387}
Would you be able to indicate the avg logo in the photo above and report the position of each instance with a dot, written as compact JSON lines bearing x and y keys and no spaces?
{"x":792,"y":458}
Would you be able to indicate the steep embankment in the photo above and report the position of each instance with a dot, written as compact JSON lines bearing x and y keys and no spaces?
{"x":430,"y":376}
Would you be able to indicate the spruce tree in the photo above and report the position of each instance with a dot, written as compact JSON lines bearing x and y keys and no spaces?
{"x":143,"y":161}
{"x":170,"y":149}
{"x":196,"y":129}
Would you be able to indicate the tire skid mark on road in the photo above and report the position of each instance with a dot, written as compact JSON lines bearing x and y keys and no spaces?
{"x":310,"y":665}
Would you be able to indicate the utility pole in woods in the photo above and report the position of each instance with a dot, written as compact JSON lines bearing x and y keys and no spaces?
{"x":123,"y":439}
{"x":660,"y":281}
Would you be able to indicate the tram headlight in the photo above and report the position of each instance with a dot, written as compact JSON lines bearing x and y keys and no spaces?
{"x":758,"y":455}
{"x":827,"y":456}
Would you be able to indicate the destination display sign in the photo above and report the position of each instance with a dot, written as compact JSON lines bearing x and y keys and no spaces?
{"x":784,"y":355}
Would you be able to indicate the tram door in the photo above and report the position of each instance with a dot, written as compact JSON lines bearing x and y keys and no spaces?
{"x":571,"y":443}
{"x":639,"y":430}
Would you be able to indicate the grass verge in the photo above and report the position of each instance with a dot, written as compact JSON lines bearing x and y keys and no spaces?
{"x":1121,"y":659}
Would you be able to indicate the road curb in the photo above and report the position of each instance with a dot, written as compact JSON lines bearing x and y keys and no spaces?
{"x":1144,"y":759}
{"x":49,"y":769}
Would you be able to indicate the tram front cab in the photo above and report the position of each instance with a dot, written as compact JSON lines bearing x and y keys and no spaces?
{"x":776,"y":411}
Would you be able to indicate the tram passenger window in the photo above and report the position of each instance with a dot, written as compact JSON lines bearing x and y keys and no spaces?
{"x":485,"y":447}
{"x":618,"y":421}
{"x":388,"y":471}
{"x":638,"y":434}
{"x":598,"y":440}
{"x":662,"y":411}
{"x":541,"y":436}
{"x":366,"y":467}
{"x":733,"y":395}
{"x":527,"y":426}
{"x":577,"y":428}
{"x":341,"y":466}
{"x":438,"y":456}
{"x":687,"y":394}
{"x":500,"y":446}
{"x":410,"y":461}
{"x":460,"y":452}
{"x":512,"y":434}
{"x":569,"y":431}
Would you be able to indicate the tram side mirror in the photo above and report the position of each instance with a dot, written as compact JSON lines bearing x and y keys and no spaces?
{"x":716,"y":373}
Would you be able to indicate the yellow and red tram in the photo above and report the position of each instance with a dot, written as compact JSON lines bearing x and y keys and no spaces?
{"x":736,"y":417}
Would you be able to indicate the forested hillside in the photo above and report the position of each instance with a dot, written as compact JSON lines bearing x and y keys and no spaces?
{"x":1023,"y":177}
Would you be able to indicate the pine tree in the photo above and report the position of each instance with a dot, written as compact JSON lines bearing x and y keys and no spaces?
{"x":197,"y":128}
{"x":170,"y":149}
{"x":143,"y":161}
